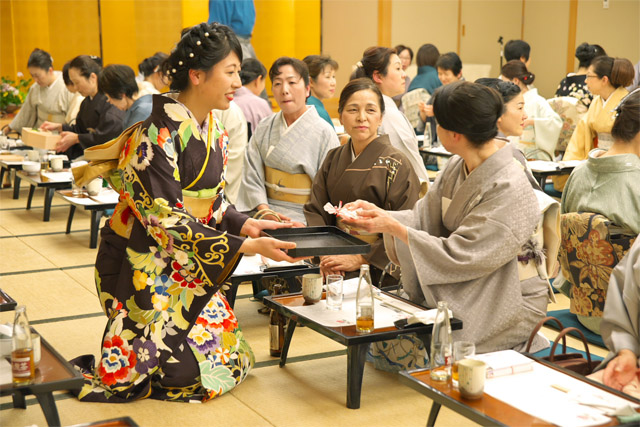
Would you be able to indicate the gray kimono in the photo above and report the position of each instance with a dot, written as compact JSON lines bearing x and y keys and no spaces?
{"x":464,"y":239}
{"x":296,"y":149}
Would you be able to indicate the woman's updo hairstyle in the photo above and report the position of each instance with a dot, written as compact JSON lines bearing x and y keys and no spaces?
{"x":627,"y":123}
{"x":516,"y":69}
{"x":373,"y":59}
{"x":86,"y":65}
{"x":200,"y":48}
{"x":251,"y":70}
{"x":586,"y":53}
{"x":507,"y":90}
{"x":356,"y":85}
{"x":152,"y":64}
{"x":619,"y":71}
{"x":469,"y":109}
{"x":40,"y":59}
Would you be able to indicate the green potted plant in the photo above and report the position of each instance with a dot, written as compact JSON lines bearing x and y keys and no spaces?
{"x":13,"y":94}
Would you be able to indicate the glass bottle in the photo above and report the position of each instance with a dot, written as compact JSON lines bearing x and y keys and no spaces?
{"x":428,"y":136}
{"x":276,"y":327}
{"x":22,"y":364}
{"x":441,"y":345}
{"x":364,"y":301}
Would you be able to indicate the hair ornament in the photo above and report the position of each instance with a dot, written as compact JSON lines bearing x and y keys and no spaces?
{"x":359,"y":64}
{"x":173,"y":70}
{"x":191,"y":55}
{"x":198,"y":42}
{"x":206,"y":34}
{"x":179,"y":62}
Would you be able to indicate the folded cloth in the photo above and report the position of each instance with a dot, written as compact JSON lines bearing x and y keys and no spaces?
{"x":425,"y":317}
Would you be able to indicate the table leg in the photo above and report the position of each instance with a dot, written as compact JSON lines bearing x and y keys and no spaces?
{"x":72,"y":211}
{"x":2,"y":177}
{"x":16,"y":186}
{"x":48,"y":198}
{"x":96,"y":215}
{"x":48,"y":405}
{"x":32,"y":189}
{"x":291,"y":326}
{"x":18,"y":400}
{"x":435,"y":409}
{"x":542,"y":182}
{"x":356,"y":355}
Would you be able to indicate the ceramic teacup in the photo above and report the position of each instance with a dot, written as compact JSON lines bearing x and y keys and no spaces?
{"x":471,"y":376}
{"x":312,"y":288}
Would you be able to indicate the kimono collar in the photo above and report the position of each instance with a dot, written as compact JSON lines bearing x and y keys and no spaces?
{"x":285,"y":127}
{"x":389,"y":104}
{"x":188,"y":115}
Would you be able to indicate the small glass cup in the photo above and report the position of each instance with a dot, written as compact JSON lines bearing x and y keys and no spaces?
{"x":76,"y":191}
{"x":461,"y":350}
{"x":334,"y":292}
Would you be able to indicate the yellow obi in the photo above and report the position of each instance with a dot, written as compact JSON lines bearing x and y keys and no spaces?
{"x":287,"y":187}
{"x":357,"y":232}
{"x":199,"y":203}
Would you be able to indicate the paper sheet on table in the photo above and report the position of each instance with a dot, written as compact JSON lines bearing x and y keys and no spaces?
{"x":248,"y":265}
{"x":548,"y":403}
{"x":440,"y":149}
{"x":58,"y":176}
{"x":5,"y":371}
{"x":570,"y":163}
{"x":85,"y":201}
{"x":386,"y":309}
{"x":543,"y":166}
{"x":107,"y":195}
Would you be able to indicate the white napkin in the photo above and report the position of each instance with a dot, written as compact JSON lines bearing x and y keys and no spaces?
{"x":425,"y":316}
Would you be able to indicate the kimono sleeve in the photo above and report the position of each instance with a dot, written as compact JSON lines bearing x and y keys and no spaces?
{"x":252,"y":190}
{"x":485,"y":240}
{"x":153,"y":192}
{"x":109,"y":126}
{"x":577,"y":149}
{"x":548,"y":125}
{"x":314,"y":211}
{"x":26,"y":117}
{"x":620,"y":321}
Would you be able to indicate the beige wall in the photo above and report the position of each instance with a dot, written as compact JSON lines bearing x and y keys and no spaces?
{"x":546,"y":29}
{"x":430,"y":21}
{"x":616,"y":29}
{"x":348,"y":28}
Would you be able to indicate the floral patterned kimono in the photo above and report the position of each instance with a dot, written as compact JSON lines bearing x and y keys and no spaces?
{"x":164,"y":256}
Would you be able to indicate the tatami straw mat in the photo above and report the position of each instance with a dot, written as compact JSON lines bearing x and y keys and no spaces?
{"x":52,"y":274}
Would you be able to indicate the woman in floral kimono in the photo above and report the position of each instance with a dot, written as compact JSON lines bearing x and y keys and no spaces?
{"x":173,"y":241}
{"x":367,"y":167}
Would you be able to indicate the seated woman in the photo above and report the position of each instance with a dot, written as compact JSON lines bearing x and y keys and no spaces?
{"x":322,"y":72}
{"x":368,"y":167}
{"x":48,"y":98}
{"x":174,"y":240}
{"x":383,"y":66}
{"x":461,"y":243}
{"x":606,"y":80}
{"x":543,"y":125}
{"x":254,"y":108}
{"x":427,"y":77}
{"x":118,"y":83}
{"x":97,"y":121}
{"x":575,"y":84}
{"x":511,"y":123}
{"x":77,"y":99}
{"x":621,"y":327}
{"x":151,"y":70}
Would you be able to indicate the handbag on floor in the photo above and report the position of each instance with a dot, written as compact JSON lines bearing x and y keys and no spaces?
{"x":572,"y":361}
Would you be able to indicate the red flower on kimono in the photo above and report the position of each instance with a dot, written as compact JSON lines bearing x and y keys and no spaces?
{"x":163,"y":136}
{"x":182,"y":277}
{"x":117,"y":361}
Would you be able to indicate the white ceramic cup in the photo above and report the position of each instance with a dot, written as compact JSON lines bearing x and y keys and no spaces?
{"x":33,"y":155}
{"x":94,"y":187}
{"x":56,"y":164}
{"x":471,"y":376}
{"x":312,"y":287}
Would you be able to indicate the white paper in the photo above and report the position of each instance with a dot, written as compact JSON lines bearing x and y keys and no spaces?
{"x":85,"y":201}
{"x":5,"y":371}
{"x":106,"y":195}
{"x":248,"y":265}
{"x":570,"y":163}
{"x":386,"y":309}
{"x":543,"y":166}
{"x":536,"y":396}
{"x":58,"y":176}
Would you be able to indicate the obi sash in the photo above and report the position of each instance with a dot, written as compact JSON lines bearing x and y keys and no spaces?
{"x":357,"y":232}
{"x":199,"y":203}
{"x":287,"y":187}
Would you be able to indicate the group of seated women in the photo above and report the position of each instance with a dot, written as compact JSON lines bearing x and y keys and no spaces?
{"x":174,"y":238}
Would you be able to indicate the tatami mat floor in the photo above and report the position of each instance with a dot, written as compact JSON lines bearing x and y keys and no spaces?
{"x":51,"y":273}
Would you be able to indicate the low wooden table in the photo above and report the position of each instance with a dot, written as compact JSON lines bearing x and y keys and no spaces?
{"x":6,"y":302}
{"x":486,"y":411}
{"x":40,"y":181}
{"x":96,"y":207}
{"x":357,"y":343}
{"x":7,"y":166}
{"x":54,"y":373}
{"x":542,"y":176}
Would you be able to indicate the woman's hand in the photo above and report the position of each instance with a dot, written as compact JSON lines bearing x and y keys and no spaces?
{"x":620,"y":370}
{"x":270,"y":248}
{"x":339,"y":264}
{"x":279,"y":217}
{"x":50,"y":126}
{"x":253,"y":227}
{"x":425,"y":111}
{"x":375,"y":220}
{"x":66,"y":141}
